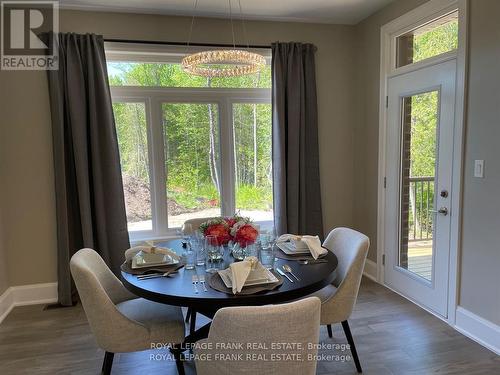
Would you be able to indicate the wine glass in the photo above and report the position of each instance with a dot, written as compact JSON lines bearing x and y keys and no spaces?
{"x":213,"y":252}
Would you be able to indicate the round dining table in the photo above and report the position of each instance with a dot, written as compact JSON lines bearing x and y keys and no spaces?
{"x":178,"y":289}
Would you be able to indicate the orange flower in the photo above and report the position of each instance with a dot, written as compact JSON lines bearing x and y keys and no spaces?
{"x":246,"y":234}
{"x":221,"y":231}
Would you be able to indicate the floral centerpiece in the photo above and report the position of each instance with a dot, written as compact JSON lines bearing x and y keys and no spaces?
{"x":237,"y":231}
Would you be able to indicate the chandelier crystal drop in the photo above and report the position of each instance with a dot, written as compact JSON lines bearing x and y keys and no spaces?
{"x":223,"y":63}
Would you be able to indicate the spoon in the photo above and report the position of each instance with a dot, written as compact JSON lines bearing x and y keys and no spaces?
{"x":288,"y":269}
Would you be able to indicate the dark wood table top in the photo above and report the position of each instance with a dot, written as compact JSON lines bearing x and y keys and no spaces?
{"x":179,"y":291}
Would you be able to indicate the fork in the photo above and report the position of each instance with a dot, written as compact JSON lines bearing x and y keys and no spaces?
{"x":156,"y":275}
{"x":195,"y":281}
{"x":202,"y":282}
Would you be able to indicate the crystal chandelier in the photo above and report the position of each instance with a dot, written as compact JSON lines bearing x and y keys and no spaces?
{"x":224,"y":62}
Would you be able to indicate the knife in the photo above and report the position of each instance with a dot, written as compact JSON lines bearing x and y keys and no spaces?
{"x":284,"y":274}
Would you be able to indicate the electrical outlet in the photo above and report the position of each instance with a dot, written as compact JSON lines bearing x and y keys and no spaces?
{"x":479,"y":168}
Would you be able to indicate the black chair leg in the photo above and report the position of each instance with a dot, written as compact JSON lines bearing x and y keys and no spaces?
{"x":178,"y":360}
{"x":350,"y":340}
{"x":188,"y":314}
{"x":192,"y":325}
{"x":329,"y":328}
{"x":107,"y":363}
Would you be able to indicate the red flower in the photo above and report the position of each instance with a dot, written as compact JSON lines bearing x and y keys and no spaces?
{"x":246,"y":235}
{"x":221,"y":231}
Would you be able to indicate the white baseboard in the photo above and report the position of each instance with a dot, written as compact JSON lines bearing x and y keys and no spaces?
{"x":6,"y":303}
{"x":478,"y":329}
{"x":370,"y":270}
{"x":23,"y":295}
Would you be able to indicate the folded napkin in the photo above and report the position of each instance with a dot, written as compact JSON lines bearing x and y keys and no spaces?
{"x":240,"y":272}
{"x":312,"y":242}
{"x":151,"y":250}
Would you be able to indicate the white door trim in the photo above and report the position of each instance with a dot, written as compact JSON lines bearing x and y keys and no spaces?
{"x":422,"y":14}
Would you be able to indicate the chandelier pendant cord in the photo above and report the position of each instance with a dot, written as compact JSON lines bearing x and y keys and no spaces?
{"x":243,"y":26}
{"x":192,"y":25}
{"x":232,"y":25}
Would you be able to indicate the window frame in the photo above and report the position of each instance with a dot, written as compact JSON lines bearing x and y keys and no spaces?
{"x":399,"y":27}
{"x":154,"y":98}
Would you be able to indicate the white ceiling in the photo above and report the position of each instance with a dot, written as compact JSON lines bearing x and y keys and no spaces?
{"x":318,"y":11}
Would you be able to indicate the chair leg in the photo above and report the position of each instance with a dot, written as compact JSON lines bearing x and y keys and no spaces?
{"x":107,"y":363}
{"x":178,"y":361}
{"x":192,"y":325}
{"x":188,"y":314}
{"x":329,"y":328}
{"x":350,"y":340}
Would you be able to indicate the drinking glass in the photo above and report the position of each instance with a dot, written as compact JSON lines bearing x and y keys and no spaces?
{"x":214,"y":253}
{"x":199,"y":248}
{"x":267,"y":251}
{"x":252,"y":250}
{"x":190,"y":258}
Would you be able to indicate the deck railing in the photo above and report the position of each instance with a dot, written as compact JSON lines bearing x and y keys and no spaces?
{"x":421,"y":206}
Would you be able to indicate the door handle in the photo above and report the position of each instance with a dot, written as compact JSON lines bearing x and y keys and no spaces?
{"x":443,"y":211}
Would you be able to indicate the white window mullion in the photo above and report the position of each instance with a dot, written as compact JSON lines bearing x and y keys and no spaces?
{"x":227,"y":158}
{"x":159,"y":201}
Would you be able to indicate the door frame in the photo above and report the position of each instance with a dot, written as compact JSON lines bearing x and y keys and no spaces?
{"x":425,"y":13}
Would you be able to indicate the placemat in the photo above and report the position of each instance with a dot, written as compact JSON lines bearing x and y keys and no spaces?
{"x":216,"y":283}
{"x":127,"y":267}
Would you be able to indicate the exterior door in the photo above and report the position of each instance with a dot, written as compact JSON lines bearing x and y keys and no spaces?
{"x":420,"y":124}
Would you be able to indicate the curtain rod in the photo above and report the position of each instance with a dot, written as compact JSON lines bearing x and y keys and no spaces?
{"x":184,"y":44}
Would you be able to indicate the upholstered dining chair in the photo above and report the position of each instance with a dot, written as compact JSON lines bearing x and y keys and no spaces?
{"x":244,"y":335}
{"x":192,"y":225}
{"x":119,"y":320}
{"x":339,"y":298}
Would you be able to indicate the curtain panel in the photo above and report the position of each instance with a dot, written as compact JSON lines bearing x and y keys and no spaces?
{"x":90,"y":205}
{"x":296,"y":186}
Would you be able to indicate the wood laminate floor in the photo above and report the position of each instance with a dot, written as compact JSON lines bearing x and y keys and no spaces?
{"x":393,"y":336}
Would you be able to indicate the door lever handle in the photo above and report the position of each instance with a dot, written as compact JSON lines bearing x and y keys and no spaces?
{"x":443,"y":211}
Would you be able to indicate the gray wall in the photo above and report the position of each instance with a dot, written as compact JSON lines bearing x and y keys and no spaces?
{"x":25,"y":139}
{"x":480,"y":268}
{"x":4,"y":282}
{"x":480,"y":252}
{"x":367,"y":122}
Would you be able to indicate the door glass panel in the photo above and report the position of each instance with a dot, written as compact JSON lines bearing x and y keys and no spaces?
{"x":253,"y":166}
{"x":419,"y":155}
{"x":192,"y":158}
{"x":131,"y":129}
{"x":432,"y":39}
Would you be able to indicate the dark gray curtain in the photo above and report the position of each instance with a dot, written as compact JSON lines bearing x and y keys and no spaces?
{"x":89,"y":190}
{"x":297,"y":195}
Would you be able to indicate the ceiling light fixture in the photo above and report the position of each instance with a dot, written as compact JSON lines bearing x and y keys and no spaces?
{"x":224,"y":62}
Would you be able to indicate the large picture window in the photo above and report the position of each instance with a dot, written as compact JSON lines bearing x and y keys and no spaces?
{"x":189,"y":146}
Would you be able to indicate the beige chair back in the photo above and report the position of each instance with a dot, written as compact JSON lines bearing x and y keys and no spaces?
{"x":100,"y":290}
{"x":192,"y":225}
{"x":351,"y":249}
{"x":264,"y":326}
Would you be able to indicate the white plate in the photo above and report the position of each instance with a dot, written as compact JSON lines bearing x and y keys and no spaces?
{"x":143,"y":259}
{"x":289,"y":249}
{"x":253,"y":279}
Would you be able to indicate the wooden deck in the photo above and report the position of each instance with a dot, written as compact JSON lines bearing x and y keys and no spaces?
{"x":420,"y":258}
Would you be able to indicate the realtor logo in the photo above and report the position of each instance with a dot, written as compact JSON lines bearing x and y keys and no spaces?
{"x":22,"y":46}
